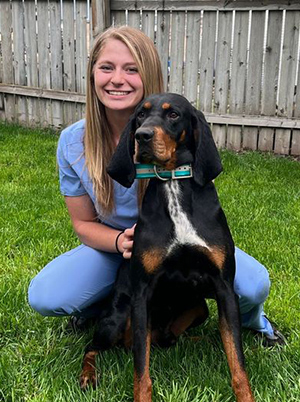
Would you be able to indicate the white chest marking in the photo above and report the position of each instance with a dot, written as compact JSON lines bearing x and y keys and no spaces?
{"x":185,"y":233}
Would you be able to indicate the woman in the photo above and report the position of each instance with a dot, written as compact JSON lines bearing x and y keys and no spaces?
{"x":124,"y":68}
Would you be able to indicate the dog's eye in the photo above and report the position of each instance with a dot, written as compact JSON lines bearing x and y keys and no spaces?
{"x":173,"y":115}
{"x":141,"y":115}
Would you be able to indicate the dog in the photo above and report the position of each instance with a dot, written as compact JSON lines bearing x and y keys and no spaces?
{"x":183,"y":251}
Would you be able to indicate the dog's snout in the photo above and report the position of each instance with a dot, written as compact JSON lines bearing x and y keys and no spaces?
{"x":144,"y":134}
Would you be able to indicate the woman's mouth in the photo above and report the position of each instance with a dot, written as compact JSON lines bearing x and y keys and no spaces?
{"x":118,"y":93}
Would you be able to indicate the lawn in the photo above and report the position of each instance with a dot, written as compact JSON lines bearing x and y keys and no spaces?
{"x":40,"y":360}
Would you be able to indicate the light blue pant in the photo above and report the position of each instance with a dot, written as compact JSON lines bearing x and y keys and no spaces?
{"x":72,"y":282}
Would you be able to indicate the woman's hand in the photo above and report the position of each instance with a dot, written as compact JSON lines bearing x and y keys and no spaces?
{"x":125,"y":242}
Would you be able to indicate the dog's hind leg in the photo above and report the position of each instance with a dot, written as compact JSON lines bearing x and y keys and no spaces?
{"x":229,"y":321}
{"x":110,"y":331}
{"x":111,"y":326}
{"x":88,"y":372}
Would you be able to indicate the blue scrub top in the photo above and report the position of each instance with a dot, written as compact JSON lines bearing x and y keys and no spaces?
{"x":75,"y":181}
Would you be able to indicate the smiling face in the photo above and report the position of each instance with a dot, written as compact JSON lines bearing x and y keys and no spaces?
{"x":118,"y":84}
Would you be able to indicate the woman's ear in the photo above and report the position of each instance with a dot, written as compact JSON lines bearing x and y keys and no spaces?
{"x":207,"y":163}
{"x":121,"y":167}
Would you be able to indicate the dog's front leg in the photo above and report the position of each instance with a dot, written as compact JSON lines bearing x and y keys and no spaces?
{"x":229,"y":321}
{"x":141,"y":350}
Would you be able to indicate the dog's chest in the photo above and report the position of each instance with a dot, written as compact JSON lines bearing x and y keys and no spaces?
{"x":184,"y":231}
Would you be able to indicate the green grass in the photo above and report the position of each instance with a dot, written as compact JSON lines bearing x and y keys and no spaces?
{"x":40,"y":361}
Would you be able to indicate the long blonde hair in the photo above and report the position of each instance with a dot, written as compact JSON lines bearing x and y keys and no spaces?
{"x":98,"y":143}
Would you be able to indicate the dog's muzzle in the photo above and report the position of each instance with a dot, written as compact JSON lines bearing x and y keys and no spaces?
{"x":144,"y":135}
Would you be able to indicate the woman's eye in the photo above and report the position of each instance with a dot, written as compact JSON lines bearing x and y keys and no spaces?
{"x":105,"y":68}
{"x":132,"y":70}
{"x":173,"y":115}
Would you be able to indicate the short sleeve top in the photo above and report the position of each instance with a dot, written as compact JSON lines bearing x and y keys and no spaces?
{"x":75,"y":181}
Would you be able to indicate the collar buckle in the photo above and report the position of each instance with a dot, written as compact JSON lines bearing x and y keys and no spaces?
{"x":182,"y":172}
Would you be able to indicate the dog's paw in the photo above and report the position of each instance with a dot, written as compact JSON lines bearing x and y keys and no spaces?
{"x":88,"y":374}
{"x":88,"y":378}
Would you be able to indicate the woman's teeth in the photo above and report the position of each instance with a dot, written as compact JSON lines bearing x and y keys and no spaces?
{"x":118,"y":93}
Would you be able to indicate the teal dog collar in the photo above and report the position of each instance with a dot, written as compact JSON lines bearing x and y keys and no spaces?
{"x":144,"y":171}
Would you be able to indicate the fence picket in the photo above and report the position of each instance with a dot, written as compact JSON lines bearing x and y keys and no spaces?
{"x":297,"y":97}
{"x":43,"y":60}
{"x":295,"y":146}
{"x":207,"y":61}
{"x":271,"y":69}
{"x":222,"y":72}
{"x":134,"y":19}
{"x":287,"y":78}
{"x":238,"y":76}
{"x":19,"y":59}
{"x":56,"y":60}
{"x":33,"y":105}
{"x":192,"y":56}
{"x":7,"y":56}
{"x":219,"y":135}
{"x":148,"y":22}
{"x":254,"y":77}
{"x":282,"y":141}
{"x":119,"y":18}
{"x":82,"y":45}
{"x":223,"y":62}
{"x":289,"y":64}
{"x":177,"y":51}
{"x":239,"y":63}
{"x":69,"y":77}
{"x":250,"y":138}
{"x":162,"y":42}
{"x":270,"y":80}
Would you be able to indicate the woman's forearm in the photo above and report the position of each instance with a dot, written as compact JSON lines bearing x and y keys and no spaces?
{"x":98,"y":236}
{"x":94,"y":234}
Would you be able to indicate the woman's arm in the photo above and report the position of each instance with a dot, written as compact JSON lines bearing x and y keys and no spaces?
{"x":93,"y":233}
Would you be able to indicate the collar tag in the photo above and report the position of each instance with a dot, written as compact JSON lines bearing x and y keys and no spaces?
{"x":149,"y":171}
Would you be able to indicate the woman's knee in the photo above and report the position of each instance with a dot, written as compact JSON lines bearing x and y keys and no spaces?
{"x":262,"y":290}
{"x":44,"y":302}
{"x":252,"y":282}
{"x":72,"y":281}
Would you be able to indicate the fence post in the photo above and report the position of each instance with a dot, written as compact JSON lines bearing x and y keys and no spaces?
{"x":100,"y":15}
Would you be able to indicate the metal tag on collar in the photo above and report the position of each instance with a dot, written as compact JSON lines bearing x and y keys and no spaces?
{"x":158,"y":176}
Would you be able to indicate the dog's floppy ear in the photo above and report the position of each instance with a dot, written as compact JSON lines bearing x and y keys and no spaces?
{"x":207,"y":163}
{"x":121,"y":167}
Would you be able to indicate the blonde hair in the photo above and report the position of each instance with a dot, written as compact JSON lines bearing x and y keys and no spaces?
{"x":98,"y":144}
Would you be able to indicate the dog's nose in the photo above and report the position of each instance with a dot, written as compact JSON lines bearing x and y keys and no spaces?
{"x":144,"y":134}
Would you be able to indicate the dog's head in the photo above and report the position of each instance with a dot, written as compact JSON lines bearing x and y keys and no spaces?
{"x":168,"y":131}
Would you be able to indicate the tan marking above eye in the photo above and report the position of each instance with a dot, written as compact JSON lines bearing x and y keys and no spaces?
{"x":166,"y":106}
{"x":147,"y":105}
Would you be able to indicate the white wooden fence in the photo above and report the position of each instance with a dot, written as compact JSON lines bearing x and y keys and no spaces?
{"x":238,"y":61}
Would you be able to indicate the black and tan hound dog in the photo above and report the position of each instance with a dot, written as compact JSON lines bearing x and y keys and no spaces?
{"x":183,"y":251}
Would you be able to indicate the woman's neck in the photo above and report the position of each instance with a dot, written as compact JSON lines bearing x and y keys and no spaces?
{"x":117,"y":120}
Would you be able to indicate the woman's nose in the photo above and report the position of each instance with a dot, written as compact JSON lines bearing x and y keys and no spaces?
{"x":117,"y":77}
